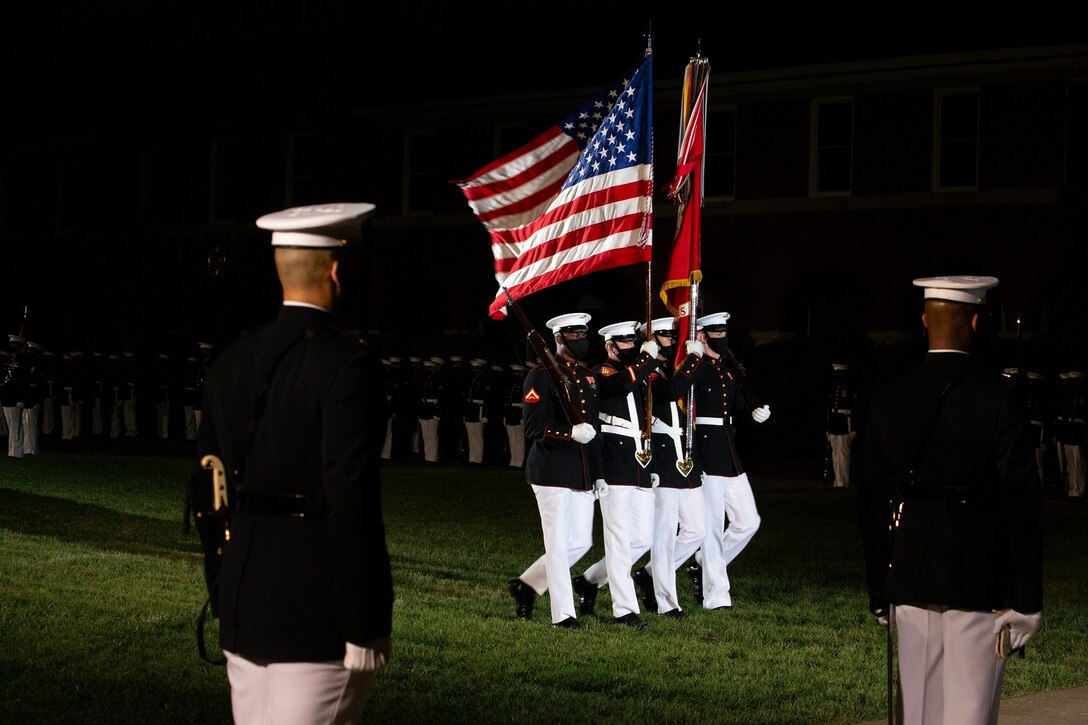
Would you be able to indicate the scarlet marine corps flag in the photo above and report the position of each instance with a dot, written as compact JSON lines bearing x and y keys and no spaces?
{"x":684,"y":271}
{"x":577,"y":199}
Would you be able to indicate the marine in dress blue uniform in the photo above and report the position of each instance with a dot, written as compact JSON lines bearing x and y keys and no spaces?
{"x":304,"y":592}
{"x":563,"y":467}
{"x":627,"y":501}
{"x":719,"y":403}
{"x":679,"y":519}
{"x":966,"y":559}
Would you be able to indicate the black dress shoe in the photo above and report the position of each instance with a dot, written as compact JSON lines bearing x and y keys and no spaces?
{"x":587,"y":595}
{"x":631,"y":620}
{"x":675,"y":614}
{"x":568,"y":623}
{"x":645,"y":584}
{"x":696,"y":573}
{"x":524,"y":598}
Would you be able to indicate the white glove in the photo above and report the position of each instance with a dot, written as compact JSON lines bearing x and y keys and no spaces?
{"x":655,"y":480}
{"x":694,"y":347}
{"x":761,"y":414}
{"x":600,"y":488}
{"x":368,"y":657}
{"x":582,"y":433}
{"x":651,"y":348}
{"x":1021,"y":626}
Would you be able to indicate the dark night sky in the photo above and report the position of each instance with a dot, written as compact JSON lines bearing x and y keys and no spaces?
{"x":85,"y":69}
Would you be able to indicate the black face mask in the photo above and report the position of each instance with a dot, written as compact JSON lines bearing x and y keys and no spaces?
{"x":627,"y":356}
{"x":719,"y":345}
{"x":578,"y":349}
{"x":666,"y":344}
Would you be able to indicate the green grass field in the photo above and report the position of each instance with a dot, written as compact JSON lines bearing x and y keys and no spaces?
{"x":100,"y":590}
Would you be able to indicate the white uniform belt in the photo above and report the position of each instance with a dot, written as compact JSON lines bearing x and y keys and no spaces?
{"x":615,"y":421}
{"x":619,"y":426}
{"x":844,"y":411}
{"x":701,"y":420}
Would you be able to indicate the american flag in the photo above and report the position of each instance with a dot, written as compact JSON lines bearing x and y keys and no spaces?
{"x":575,"y":200}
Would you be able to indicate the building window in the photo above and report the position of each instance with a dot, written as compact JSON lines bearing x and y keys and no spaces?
{"x":420,"y":175}
{"x":831,"y":164}
{"x":720,"y":154}
{"x":956,"y":140}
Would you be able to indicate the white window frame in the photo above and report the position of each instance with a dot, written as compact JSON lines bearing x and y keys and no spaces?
{"x":814,"y":147}
{"x":938,"y":100}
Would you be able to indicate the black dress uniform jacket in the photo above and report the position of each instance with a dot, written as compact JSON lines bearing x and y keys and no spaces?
{"x":296,"y":588}
{"x":553,"y":458}
{"x":670,"y":386}
{"x":718,"y":396}
{"x":614,"y":382}
{"x":970,"y":532}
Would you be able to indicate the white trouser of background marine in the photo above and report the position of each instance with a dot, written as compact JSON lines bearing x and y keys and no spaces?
{"x":13,"y":416}
{"x":31,"y":429}
{"x":566,"y":520}
{"x":726,"y":497}
{"x":679,"y":531}
{"x":515,"y":435}
{"x":840,"y":458}
{"x":627,"y":513}
{"x":474,"y":434}
{"x":1074,"y":469}
{"x":428,"y":429}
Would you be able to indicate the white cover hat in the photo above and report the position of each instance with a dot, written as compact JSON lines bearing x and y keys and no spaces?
{"x":571,"y":319}
{"x":717,"y":319}
{"x":627,"y":329}
{"x":659,"y":325}
{"x":321,"y":226}
{"x":967,"y":289}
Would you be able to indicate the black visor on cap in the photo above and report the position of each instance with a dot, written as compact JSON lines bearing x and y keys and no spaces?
{"x":716,"y":328}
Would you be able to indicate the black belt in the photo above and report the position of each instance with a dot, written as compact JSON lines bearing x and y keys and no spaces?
{"x":274,"y":503}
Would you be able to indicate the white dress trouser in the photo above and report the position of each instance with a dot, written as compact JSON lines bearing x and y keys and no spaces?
{"x":566,"y":520}
{"x":96,"y":417}
{"x":947,"y":667}
{"x":627,"y":515}
{"x":840,"y":459}
{"x":474,"y":433}
{"x":31,"y":429}
{"x":130,"y":418}
{"x":1074,"y":469}
{"x":679,"y":531}
{"x":387,"y":447}
{"x":49,"y":416}
{"x":289,"y":693}
{"x":13,"y":416}
{"x":726,"y":497}
{"x":515,"y":435}
{"x":429,"y":432}
{"x":116,"y":411}
{"x":191,"y":424}
{"x":162,"y":419}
